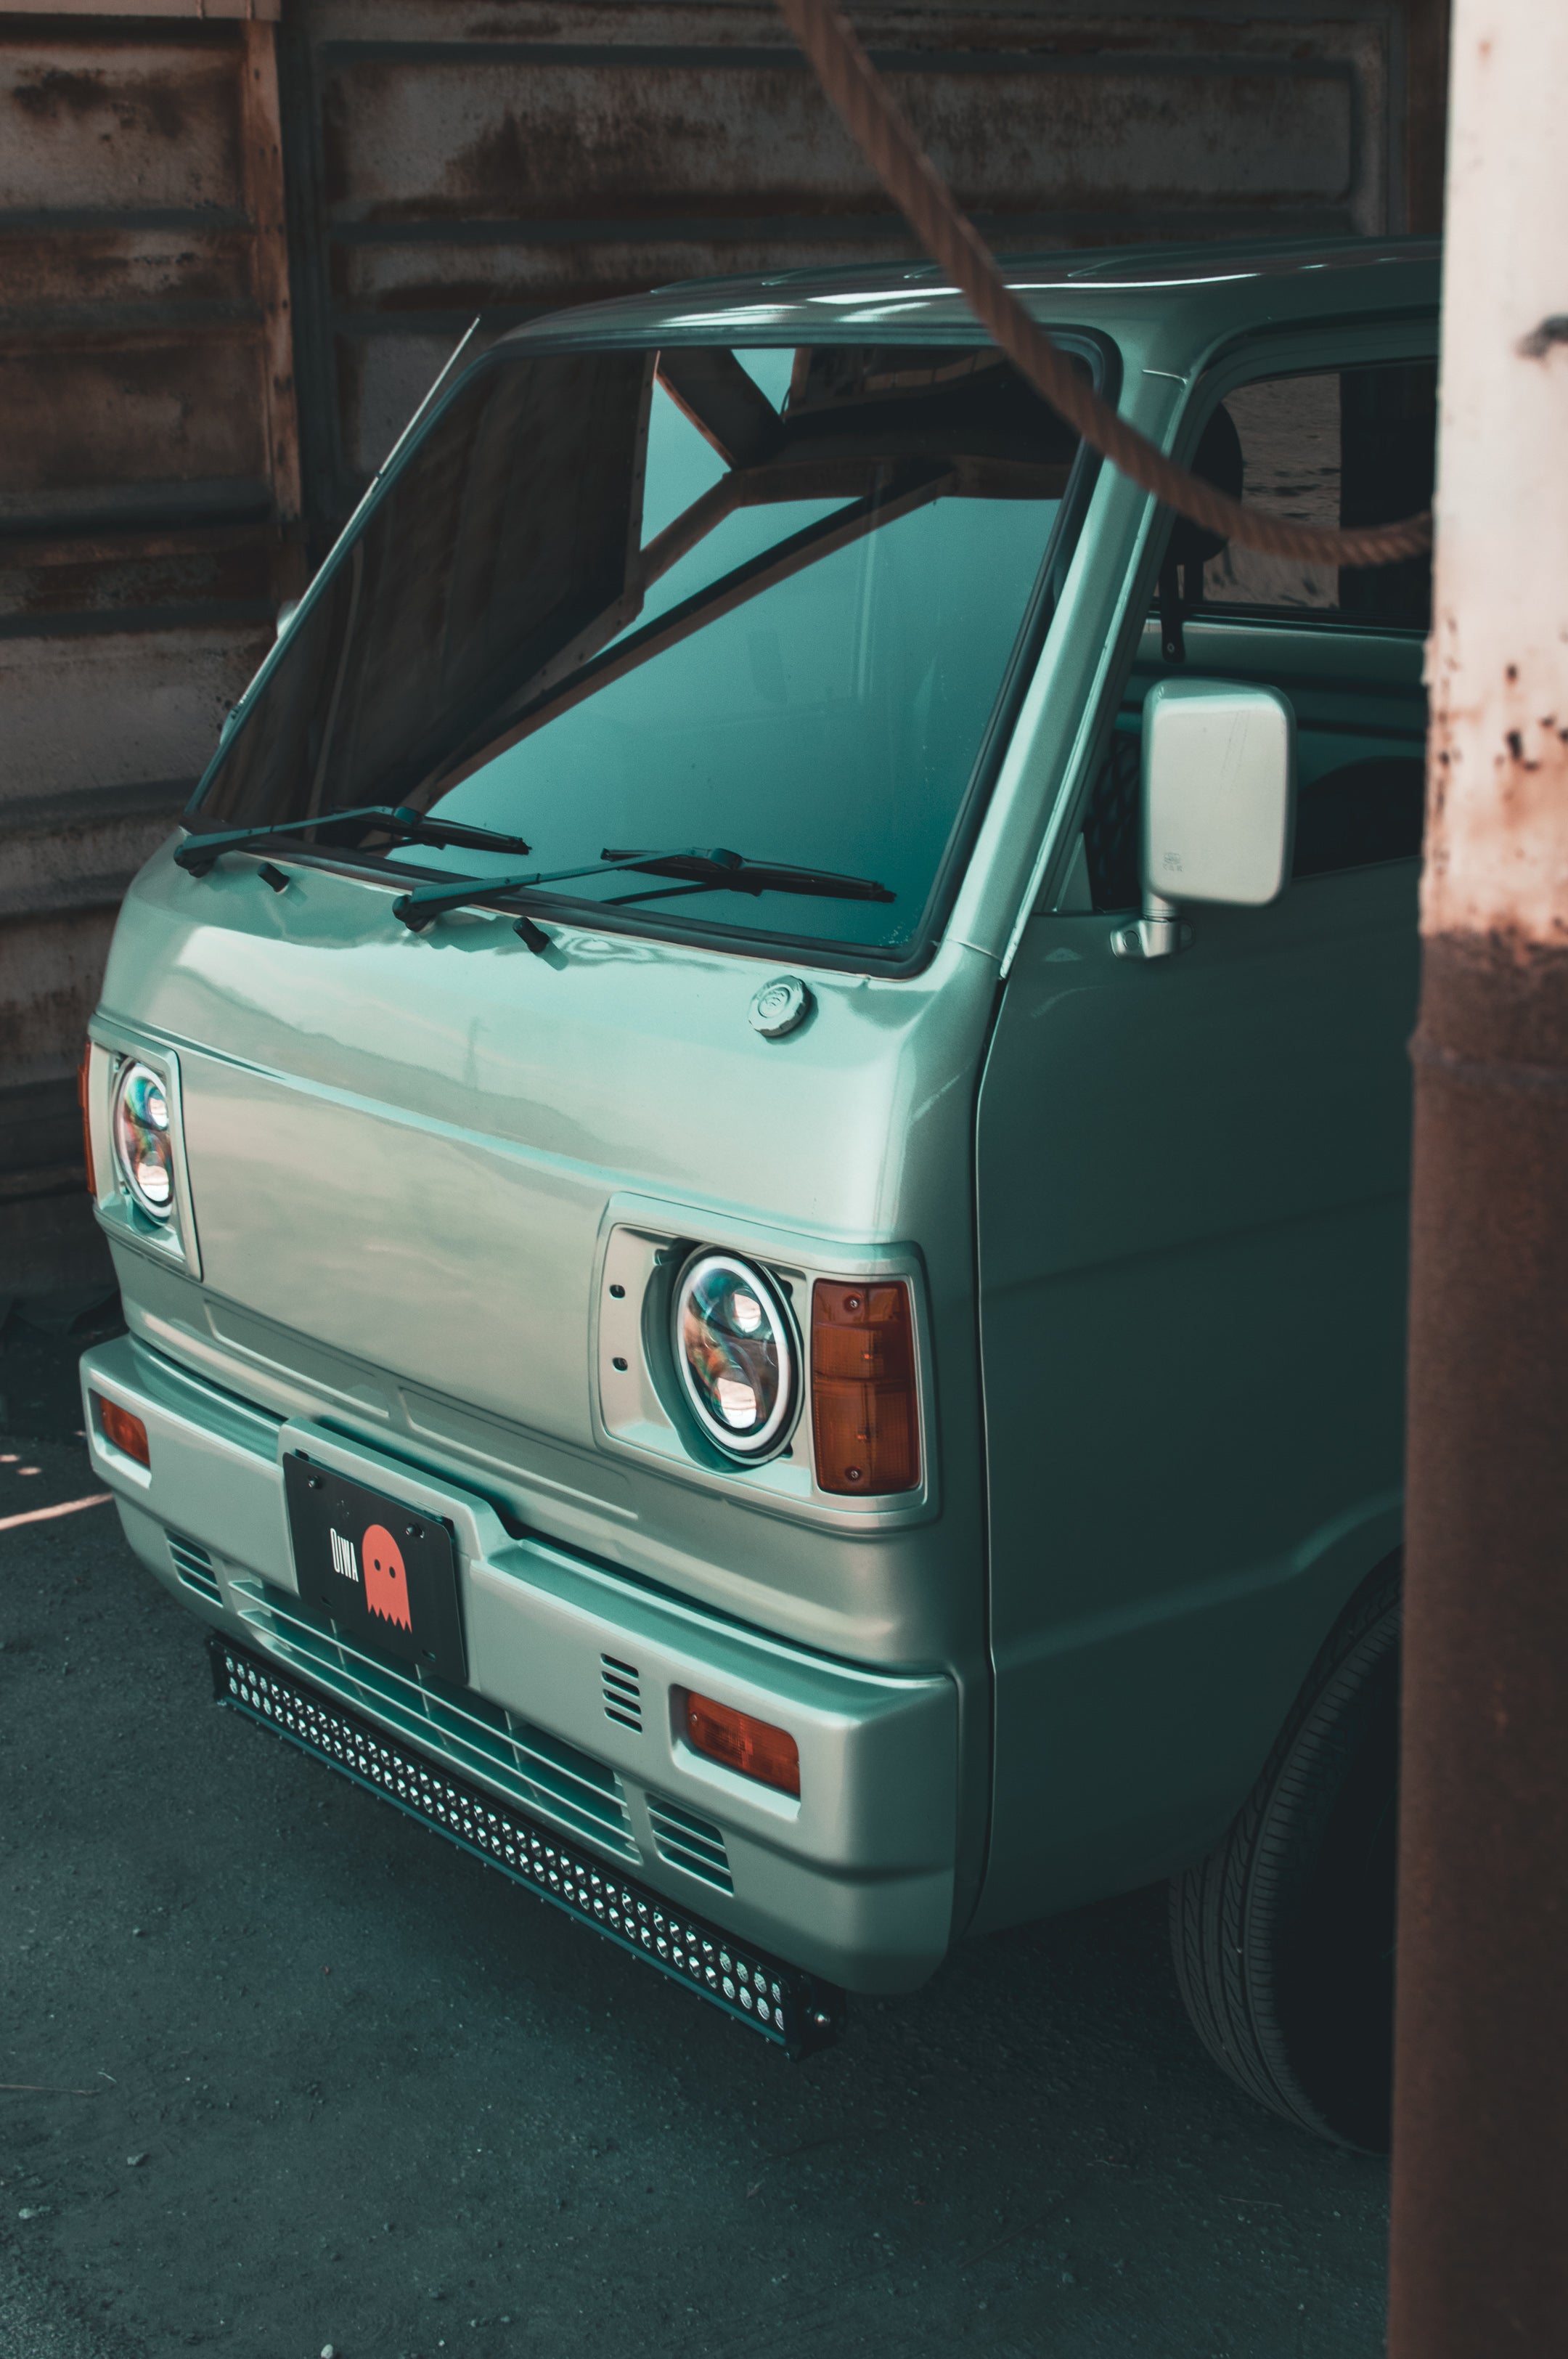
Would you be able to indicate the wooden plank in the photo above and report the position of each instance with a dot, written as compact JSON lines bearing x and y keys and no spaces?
{"x":263,"y":137}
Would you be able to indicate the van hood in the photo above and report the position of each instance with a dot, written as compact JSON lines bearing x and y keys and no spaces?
{"x":406,"y":1147}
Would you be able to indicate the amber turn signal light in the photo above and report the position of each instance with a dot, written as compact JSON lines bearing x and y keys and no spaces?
{"x":755,"y":1747}
{"x":125,"y":1431}
{"x":865,"y":1411}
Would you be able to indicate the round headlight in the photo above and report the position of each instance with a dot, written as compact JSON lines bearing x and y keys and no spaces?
{"x":734,"y":1347}
{"x":143,"y":1148}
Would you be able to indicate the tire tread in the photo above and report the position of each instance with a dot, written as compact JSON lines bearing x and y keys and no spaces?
{"x":1214,"y":1906}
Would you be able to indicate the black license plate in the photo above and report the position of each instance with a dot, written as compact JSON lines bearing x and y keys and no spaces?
{"x":386,"y":1572}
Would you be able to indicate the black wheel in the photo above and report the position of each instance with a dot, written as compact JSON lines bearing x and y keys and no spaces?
{"x":1284,"y":1938}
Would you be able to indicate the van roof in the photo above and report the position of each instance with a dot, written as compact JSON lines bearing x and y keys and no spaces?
{"x":1100,"y":285}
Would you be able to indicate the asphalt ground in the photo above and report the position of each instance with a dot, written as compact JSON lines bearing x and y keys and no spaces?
{"x":297,"y":2073}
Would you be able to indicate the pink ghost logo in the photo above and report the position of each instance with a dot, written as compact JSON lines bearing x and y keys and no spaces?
{"x":386,"y":1582}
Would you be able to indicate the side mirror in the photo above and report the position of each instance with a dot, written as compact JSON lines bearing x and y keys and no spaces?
{"x":1219,"y":805}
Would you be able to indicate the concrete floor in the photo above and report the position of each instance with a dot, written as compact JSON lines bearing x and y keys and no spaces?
{"x":304,"y":2076}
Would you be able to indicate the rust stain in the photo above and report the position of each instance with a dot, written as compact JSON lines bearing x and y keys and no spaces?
{"x":49,"y":266}
{"x":58,"y":94}
{"x":180,"y":408}
{"x":132,"y":579}
{"x":731,"y":142}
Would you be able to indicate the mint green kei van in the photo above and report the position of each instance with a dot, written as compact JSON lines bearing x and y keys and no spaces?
{"x":756,"y":1141}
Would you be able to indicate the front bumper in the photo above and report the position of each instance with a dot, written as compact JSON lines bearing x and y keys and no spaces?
{"x":567,"y":1713}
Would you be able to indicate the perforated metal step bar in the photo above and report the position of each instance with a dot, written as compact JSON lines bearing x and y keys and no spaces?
{"x":791,"y":2009}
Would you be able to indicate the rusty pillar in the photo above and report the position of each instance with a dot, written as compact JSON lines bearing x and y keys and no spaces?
{"x":1479,"y":2257}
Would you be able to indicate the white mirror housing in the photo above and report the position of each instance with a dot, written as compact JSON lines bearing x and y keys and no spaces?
{"x":1219,"y":792}
{"x":1219,"y":805}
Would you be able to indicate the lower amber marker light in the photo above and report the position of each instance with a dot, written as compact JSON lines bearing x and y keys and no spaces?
{"x":126,"y":1432}
{"x":755,"y":1747}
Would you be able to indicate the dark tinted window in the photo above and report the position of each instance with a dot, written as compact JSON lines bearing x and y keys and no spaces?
{"x":504,"y":542}
{"x":1360,"y":812}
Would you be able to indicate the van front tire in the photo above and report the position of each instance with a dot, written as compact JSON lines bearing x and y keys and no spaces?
{"x":1283,"y":1938}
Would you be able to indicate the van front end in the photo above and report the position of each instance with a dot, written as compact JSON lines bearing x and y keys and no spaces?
{"x":708,"y":1681}
{"x":532,"y":1113}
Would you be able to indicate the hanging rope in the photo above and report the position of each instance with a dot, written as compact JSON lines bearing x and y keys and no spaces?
{"x":885,"y":137}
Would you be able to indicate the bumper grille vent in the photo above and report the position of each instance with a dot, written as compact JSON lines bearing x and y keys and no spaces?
{"x":689,"y":1842}
{"x":473,"y":1736}
{"x":194,"y":1566}
{"x":623,"y":1693}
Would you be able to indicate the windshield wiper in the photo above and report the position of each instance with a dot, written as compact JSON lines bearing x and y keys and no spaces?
{"x":729,"y":870}
{"x":750,"y":875}
{"x":200,"y":852}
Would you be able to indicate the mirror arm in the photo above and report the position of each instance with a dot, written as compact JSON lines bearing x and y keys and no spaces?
{"x":1159,"y":933}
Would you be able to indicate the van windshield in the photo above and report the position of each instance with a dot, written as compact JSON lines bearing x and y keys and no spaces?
{"x":626,"y":599}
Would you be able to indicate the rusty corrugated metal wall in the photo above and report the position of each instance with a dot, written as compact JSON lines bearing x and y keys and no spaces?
{"x":204,"y":215}
{"x":149,"y":487}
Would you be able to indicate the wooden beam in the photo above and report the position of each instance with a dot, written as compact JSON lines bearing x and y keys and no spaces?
{"x":1426,"y":112}
{"x":263,"y":135}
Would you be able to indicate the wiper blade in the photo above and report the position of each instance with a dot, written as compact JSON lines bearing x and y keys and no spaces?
{"x":752,"y":876}
{"x":428,"y":901}
{"x":730,"y":870}
{"x":200,"y":852}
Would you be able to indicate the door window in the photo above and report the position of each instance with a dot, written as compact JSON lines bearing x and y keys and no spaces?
{"x":1331,"y":447}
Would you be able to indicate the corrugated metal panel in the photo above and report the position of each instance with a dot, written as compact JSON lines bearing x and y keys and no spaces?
{"x":148,"y":490}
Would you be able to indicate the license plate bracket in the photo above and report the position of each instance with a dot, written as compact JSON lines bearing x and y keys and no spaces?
{"x":386,"y":1572}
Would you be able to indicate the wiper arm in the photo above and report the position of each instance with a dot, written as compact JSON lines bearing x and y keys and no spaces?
{"x":716,"y":867}
{"x":200,"y":852}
